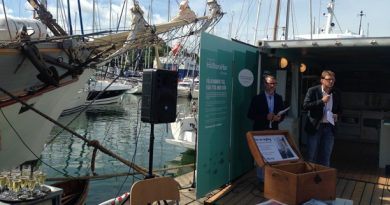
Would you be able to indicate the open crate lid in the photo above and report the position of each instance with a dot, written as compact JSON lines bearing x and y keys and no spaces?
{"x":273,"y":147}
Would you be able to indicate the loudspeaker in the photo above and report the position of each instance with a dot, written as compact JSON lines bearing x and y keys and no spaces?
{"x":159,"y":96}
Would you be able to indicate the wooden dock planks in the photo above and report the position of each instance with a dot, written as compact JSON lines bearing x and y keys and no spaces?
{"x":358,"y":192}
{"x":377,"y":195}
{"x":367,"y":194}
{"x":340,"y":187}
{"x":246,"y":191}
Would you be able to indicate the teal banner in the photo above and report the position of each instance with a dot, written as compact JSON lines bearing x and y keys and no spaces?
{"x":228,"y":77}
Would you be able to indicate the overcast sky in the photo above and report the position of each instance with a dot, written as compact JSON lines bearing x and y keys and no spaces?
{"x":240,"y":19}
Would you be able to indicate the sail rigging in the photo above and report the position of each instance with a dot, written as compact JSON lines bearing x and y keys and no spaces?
{"x":142,"y":34}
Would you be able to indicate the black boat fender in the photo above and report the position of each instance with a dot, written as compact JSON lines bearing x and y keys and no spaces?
{"x":47,"y":75}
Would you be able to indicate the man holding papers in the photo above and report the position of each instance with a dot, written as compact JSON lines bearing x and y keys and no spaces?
{"x":266,"y":111}
{"x":323,"y":104}
{"x":266,"y":108}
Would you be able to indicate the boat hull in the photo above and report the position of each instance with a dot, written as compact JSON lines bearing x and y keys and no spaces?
{"x":136,"y":90}
{"x":183,"y":132}
{"x":19,"y":75}
{"x":75,"y":191}
{"x":26,"y":131}
{"x":96,"y":93}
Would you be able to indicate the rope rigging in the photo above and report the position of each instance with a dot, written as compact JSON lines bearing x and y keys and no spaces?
{"x":27,"y":147}
{"x":268,"y":20}
{"x":239,"y":19}
{"x":181,"y":31}
{"x":93,"y":143}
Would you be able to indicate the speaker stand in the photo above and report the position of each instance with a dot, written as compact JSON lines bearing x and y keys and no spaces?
{"x":151,"y":142}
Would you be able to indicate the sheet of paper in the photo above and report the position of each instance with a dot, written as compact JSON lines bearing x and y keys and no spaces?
{"x":275,"y":148}
{"x":279,"y":113}
{"x":329,"y":117}
{"x":283,"y":111}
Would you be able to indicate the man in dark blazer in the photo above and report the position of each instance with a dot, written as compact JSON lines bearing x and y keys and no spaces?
{"x":265,"y":106}
{"x":323,"y":104}
{"x":263,"y":110}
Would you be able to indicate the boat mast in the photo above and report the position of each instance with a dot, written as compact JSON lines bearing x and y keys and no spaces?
{"x":110,"y":14}
{"x":81,"y":18}
{"x":329,"y":19}
{"x":75,"y":22}
{"x":361,"y":14}
{"x":231,"y":25}
{"x":169,"y":10}
{"x":257,"y":22}
{"x":124,"y":20}
{"x":58,"y":4}
{"x":167,"y":44}
{"x":69,"y":19}
{"x":276,"y":20}
{"x":93,"y":16}
{"x":287,"y":20}
{"x":311,"y":20}
{"x":150,"y":23}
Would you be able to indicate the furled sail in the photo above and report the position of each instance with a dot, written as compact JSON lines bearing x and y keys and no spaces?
{"x":143,"y":34}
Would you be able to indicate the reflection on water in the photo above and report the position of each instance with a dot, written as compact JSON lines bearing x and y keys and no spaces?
{"x":118,"y":128}
{"x":186,"y":157}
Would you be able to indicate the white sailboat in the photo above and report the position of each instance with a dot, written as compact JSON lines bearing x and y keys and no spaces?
{"x":183,"y":131}
{"x":42,"y":67}
{"x":136,"y":86}
{"x":44,"y":73}
{"x":195,"y":91}
{"x":184,"y":89}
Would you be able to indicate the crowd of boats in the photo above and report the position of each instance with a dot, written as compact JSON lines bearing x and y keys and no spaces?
{"x":100,"y":90}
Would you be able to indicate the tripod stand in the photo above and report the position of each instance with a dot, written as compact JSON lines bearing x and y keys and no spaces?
{"x":151,"y":147}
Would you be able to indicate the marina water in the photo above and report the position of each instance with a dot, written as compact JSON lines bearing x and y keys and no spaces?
{"x":118,"y":128}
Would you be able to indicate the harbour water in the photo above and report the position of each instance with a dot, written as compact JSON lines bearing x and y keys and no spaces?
{"x":118,"y":128}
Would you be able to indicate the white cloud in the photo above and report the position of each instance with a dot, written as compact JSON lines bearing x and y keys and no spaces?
{"x":8,"y":10}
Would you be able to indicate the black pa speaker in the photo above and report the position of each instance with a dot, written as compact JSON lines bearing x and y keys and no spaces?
{"x":159,"y":96}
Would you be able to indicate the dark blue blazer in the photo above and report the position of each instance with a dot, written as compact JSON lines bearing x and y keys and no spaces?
{"x":315,"y":106}
{"x":258,"y":111}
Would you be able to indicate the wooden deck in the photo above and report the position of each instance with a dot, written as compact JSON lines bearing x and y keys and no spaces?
{"x":359,"y":180}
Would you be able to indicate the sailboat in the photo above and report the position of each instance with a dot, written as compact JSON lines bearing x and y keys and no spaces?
{"x":184,"y":129}
{"x":38,"y":72}
{"x":42,"y":67}
{"x":195,"y":91}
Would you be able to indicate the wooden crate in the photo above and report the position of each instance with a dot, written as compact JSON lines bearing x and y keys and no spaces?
{"x":288,"y":178}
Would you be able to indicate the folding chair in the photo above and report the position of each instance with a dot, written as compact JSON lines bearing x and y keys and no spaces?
{"x":155,"y":189}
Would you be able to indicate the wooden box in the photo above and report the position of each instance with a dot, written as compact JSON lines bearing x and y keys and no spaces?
{"x":288,"y":178}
